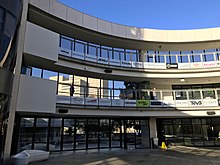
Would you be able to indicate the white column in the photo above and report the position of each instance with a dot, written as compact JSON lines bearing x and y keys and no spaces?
{"x":16,"y":82}
{"x":142,"y":55}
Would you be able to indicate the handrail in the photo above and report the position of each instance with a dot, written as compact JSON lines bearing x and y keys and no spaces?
{"x":139,"y":98}
{"x":164,"y":64}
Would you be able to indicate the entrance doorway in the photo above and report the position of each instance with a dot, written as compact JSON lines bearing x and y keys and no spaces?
{"x":136,"y":134}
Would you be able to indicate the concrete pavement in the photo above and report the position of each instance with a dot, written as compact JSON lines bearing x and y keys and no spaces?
{"x":172,"y":156}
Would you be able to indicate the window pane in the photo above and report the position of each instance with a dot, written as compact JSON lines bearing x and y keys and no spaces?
{"x":55,"y":134}
{"x":79,"y":47}
{"x":41,"y":132}
{"x":68,"y":134}
{"x":65,"y":43}
{"x":25,"y":134}
{"x":50,"y":75}
{"x":36,"y":72}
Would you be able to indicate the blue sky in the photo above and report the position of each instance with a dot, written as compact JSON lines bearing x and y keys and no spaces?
{"x":156,"y":14}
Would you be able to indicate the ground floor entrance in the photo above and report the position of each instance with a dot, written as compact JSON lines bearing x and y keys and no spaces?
{"x":189,"y":131}
{"x":79,"y":133}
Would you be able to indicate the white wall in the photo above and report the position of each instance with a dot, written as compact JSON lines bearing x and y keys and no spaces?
{"x":41,"y":42}
{"x":36,"y":95}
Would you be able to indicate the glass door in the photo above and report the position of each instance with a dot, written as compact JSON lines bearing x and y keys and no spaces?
{"x":93,"y":132}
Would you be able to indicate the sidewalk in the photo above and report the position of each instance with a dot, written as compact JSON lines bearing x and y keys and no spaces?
{"x":172,"y":156}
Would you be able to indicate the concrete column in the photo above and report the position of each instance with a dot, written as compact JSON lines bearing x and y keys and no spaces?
{"x":16,"y":82}
{"x":153,"y":127}
{"x":143,"y":55}
{"x":145,"y":133}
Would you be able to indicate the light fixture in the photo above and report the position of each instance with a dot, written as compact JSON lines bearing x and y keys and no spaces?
{"x":182,"y":80}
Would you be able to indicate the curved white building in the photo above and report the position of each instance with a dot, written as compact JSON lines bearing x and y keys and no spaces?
{"x":82,"y":83}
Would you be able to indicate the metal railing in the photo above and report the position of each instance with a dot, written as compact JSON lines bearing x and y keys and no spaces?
{"x":92,"y":96}
{"x":168,"y":61}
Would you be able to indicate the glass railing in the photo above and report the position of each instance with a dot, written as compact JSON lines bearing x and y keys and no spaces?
{"x":91,"y":96}
{"x":155,"y":61}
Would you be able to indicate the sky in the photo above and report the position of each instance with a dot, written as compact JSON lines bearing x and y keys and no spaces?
{"x":155,"y":14}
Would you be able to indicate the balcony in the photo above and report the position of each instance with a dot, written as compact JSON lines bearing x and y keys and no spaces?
{"x":108,"y":97}
{"x":155,"y":61}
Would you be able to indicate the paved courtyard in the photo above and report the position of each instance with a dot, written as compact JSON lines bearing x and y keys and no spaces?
{"x":172,"y":156}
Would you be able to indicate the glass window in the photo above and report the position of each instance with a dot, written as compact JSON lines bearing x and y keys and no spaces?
{"x":194,"y":95}
{"x":116,"y":55}
{"x":41,"y":132}
{"x":181,"y":95}
{"x":36,"y":72}
{"x":104,"y":133}
{"x":50,"y":75}
{"x":195,"y":58}
{"x":80,"y":47}
{"x":25,"y":134}
{"x":92,"y":132}
{"x":92,"y":50}
{"x":68,"y":134}
{"x":64,"y":84}
{"x":183,"y":59}
{"x":104,"y":53}
{"x":208,"y":57}
{"x":115,"y":130}
{"x":160,"y":58}
{"x":55,"y":134}
{"x":208,"y":94}
{"x":80,"y":133}
{"x":65,"y":43}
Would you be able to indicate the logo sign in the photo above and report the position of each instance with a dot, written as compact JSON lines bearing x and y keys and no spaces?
{"x":143,"y":103}
{"x":102,"y":60}
{"x":196,"y":65}
{"x":148,"y":65}
{"x":126,"y":63}
{"x":137,"y":64}
{"x":63,"y":99}
{"x":78,"y":55}
{"x":90,"y":58}
{"x":182,"y":103}
{"x":172,"y":66}
{"x":167,"y":103}
{"x":160,"y":65}
{"x":210,"y":102}
{"x":77,"y":100}
{"x":114,"y":62}
{"x":130,"y":103}
{"x":209,"y":64}
{"x":183,"y":66}
{"x":217,"y":63}
{"x":154,"y":103}
{"x":65,"y":52}
{"x":195,"y":103}
{"x":117,"y":102}
{"x":91,"y":101}
{"x":104,"y":102}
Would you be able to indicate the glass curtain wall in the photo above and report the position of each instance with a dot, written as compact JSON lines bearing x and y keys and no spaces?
{"x":57,"y":134}
{"x":192,"y":132}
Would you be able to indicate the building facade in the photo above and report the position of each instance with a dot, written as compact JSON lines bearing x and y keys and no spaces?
{"x":80,"y":83}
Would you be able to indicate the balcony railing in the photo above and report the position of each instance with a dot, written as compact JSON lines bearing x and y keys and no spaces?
{"x":91,"y":96}
{"x":170,"y":61}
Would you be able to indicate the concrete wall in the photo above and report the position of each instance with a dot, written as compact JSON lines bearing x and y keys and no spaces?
{"x":78,"y":18}
{"x":41,"y":42}
{"x":36,"y":95}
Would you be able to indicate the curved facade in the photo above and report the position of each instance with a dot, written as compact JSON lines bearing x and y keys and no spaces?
{"x":88,"y":83}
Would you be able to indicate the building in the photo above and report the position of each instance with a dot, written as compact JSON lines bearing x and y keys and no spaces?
{"x":80,"y":82}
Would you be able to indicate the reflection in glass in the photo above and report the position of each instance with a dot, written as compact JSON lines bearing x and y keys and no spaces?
{"x":80,"y":133}
{"x":92,"y":131}
{"x":104,"y":133}
{"x":68,"y":134}
{"x":55,"y":134}
{"x":25,"y":134}
{"x":115,"y":133}
{"x":41,"y":132}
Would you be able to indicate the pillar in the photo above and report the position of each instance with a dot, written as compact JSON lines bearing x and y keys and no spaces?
{"x":142,"y":55}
